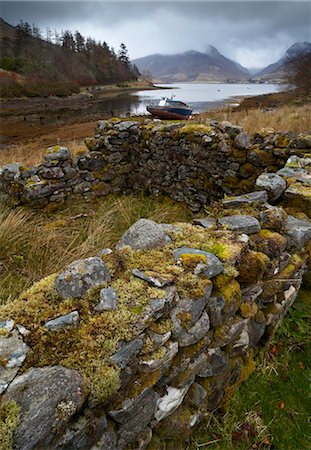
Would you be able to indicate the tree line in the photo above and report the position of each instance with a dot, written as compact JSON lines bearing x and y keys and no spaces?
{"x":64,"y":57}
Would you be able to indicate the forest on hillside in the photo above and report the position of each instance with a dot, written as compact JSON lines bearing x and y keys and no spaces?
{"x":59,"y":63}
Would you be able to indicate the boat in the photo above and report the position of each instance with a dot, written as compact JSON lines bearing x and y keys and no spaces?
{"x":168,"y":108}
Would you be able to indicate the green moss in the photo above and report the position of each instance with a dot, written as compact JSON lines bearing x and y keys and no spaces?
{"x":248,"y":310}
{"x":9,"y":420}
{"x":252,"y":267}
{"x":161,"y":326}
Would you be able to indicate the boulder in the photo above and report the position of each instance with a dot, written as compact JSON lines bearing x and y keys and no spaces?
{"x":63,"y":321}
{"x":48,"y":397}
{"x":80,"y":276}
{"x":272,"y":183}
{"x":246,"y":199}
{"x":142,"y":235}
{"x":299,"y":232}
{"x":108,"y":300}
{"x":208,"y":263}
{"x":240,"y":224}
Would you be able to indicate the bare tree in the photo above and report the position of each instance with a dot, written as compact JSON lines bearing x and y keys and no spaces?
{"x":298,"y":73}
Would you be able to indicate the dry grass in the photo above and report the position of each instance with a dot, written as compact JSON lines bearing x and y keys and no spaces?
{"x":31,"y":154}
{"x":283,"y":118}
{"x":34,"y":244}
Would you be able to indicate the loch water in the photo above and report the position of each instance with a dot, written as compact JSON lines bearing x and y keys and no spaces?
{"x":201,"y":96}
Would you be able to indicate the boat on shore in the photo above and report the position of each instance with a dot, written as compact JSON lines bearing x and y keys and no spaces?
{"x":170,"y":109}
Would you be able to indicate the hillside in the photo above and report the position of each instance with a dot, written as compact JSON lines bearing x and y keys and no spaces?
{"x":60,"y":64}
{"x":275,"y":71}
{"x":192,"y":66}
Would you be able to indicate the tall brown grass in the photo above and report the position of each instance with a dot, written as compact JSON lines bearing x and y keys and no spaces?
{"x":31,"y":154}
{"x":284,"y":118}
{"x":35,"y":244}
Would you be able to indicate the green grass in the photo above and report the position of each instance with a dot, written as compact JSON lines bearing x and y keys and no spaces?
{"x":272,"y":409}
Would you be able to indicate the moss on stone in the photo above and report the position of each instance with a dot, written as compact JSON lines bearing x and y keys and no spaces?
{"x":9,"y":419}
{"x":269,"y":242}
{"x":252,"y":267}
{"x":248,"y":310}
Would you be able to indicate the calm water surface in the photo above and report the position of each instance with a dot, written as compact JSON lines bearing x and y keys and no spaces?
{"x":202,"y":97}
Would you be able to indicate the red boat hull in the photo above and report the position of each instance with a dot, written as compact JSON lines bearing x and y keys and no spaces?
{"x":160,"y":113}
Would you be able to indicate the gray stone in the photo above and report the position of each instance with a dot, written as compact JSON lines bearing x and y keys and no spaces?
{"x":196,"y":395}
{"x":13,"y":351}
{"x":215,"y":309}
{"x":211,"y":267}
{"x":63,"y":321}
{"x":153,"y":281}
{"x":125,"y":125}
{"x":217,"y":363}
{"x":147,"y":366}
{"x":127,"y":353}
{"x":108,"y":441}
{"x":251,"y":293}
{"x":51,"y":173}
{"x":91,"y":161}
{"x":273,"y":184}
{"x":48,"y":397}
{"x":299,"y":232}
{"x":57,"y":153}
{"x":142,"y":235}
{"x":240,"y":224}
{"x":193,"y":334}
{"x":157,"y":308}
{"x":208,"y":222}
{"x":83,"y":432}
{"x":11,"y":172}
{"x":159,"y":339}
{"x":80,"y":276}
{"x":6,"y":326}
{"x":246,"y":199}
{"x":108,"y":300}
{"x":134,"y":416}
{"x":242,"y":141}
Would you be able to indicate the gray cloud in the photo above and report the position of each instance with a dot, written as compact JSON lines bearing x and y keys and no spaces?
{"x":255,"y":33}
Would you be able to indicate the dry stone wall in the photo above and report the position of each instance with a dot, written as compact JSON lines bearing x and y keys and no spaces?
{"x":132,"y":348}
{"x":190,"y":162}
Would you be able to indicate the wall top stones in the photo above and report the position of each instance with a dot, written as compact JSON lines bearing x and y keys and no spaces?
{"x":191,"y":162}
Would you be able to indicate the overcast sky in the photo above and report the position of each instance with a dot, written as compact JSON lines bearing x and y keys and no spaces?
{"x":254,"y":33}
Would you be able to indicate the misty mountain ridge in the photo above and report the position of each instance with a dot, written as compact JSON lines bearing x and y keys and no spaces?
{"x":212,"y":66}
{"x":275,"y":71}
{"x":192,"y":66}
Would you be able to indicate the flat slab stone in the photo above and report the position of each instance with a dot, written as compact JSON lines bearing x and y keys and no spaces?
{"x":48,"y":397}
{"x":134,"y":416}
{"x":80,"y":276}
{"x":142,"y":235}
{"x":272,"y":183}
{"x":212,"y":265}
{"x":241,"y":224}
{"x":246,"y":199}
{"x":63,"y":321}
{"x":208,"y":222}
{"x":153,"y":281}
{"x":127,"y":352}
{"x":299,"y":232}
{"x":13,"y":351}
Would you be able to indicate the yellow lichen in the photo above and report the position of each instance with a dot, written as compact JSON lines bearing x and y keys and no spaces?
{"x":9,"y":420}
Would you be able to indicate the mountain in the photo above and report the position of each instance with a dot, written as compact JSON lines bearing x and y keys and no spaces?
{"x":194,"y":66}
{"x":275,"y":71}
